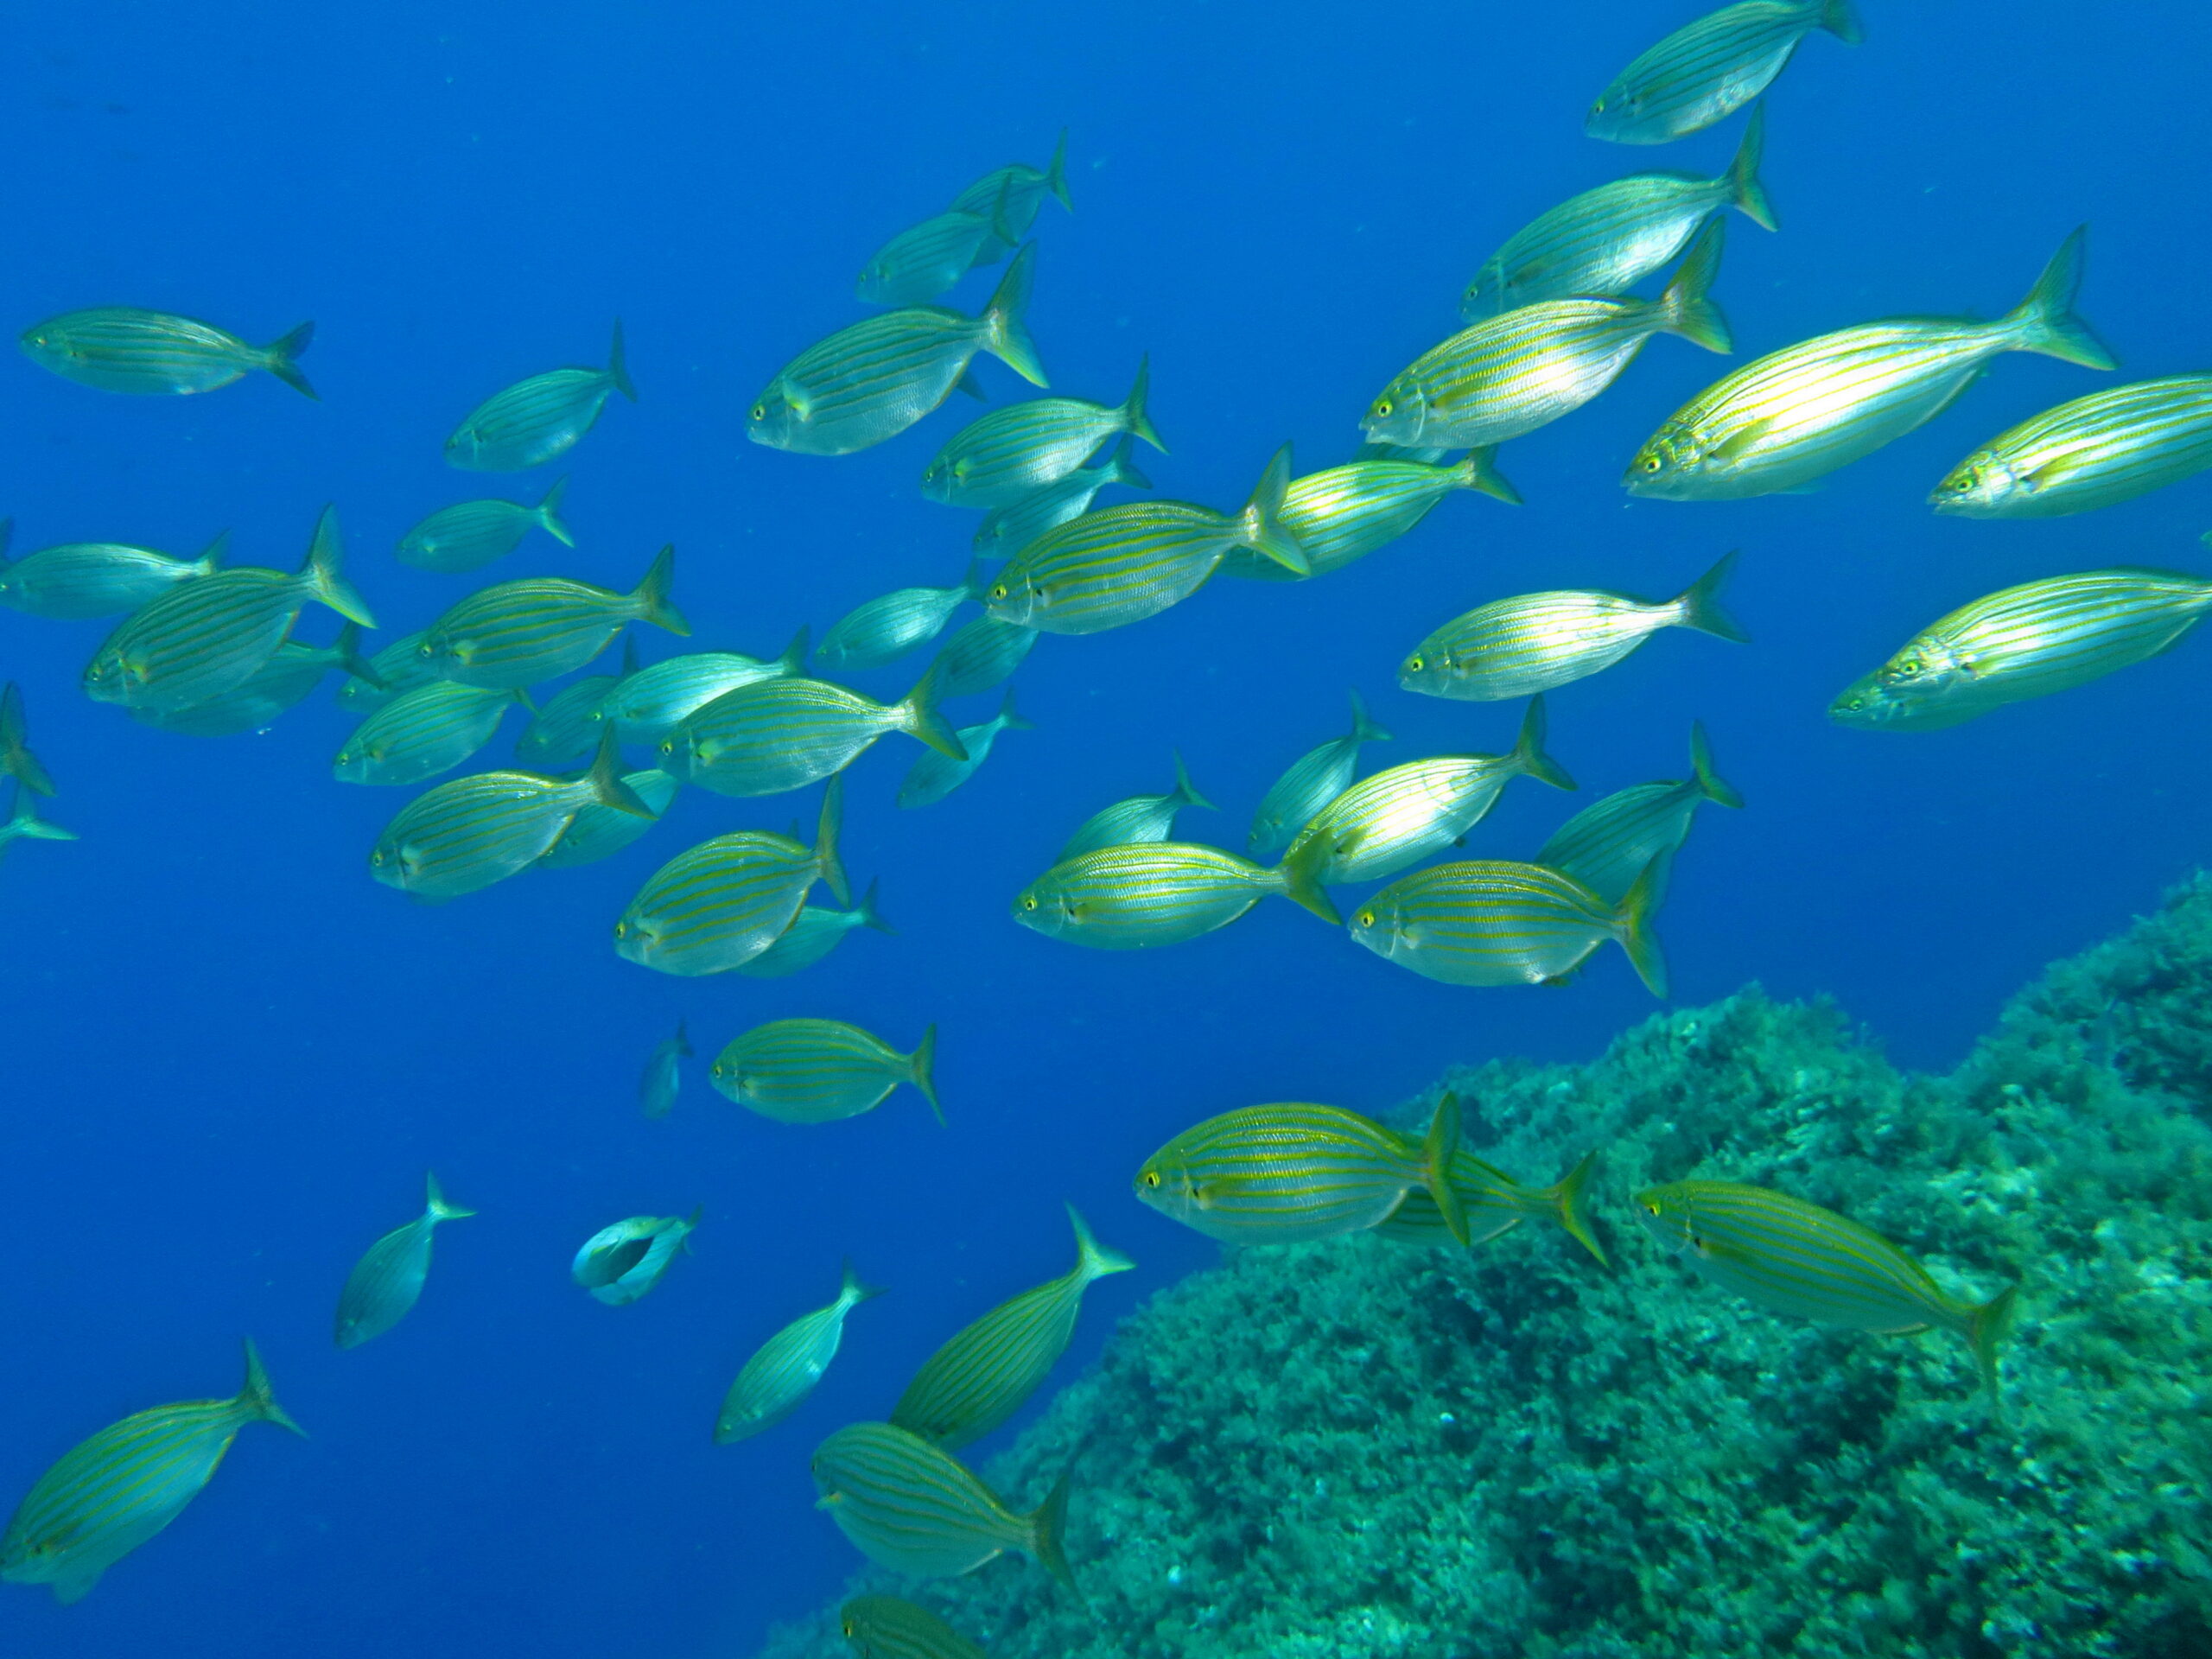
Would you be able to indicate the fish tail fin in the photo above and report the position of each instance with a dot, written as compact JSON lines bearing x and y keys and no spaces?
{"x":7,"y":536}
{"x":869,"y":915}
{"x":605,"y":777}
{"x":793,"y":660}
{"x":326,"y":554}
{"x":1185,"y":793}
{"x":1006,"y":336}
{"x":919,"y":717}
{"x":1745,"y":193}
{"x":1092,"y":1259}
{"x":618,"y":365}
{"x":1260,"y":525}
{"x":1699,"y":605}
{"x":1010,"y":718}
{"x":1528,"y":748}
{"x":851,"y":1291}
{"x":975,"y":580}
{"x":1294,"y":879}
{"x":651,"y":595}
{"x":348,"y":648}
{"x":1986,"y":1326}
{"x":549,"y":513}
{"x":257,"y":1399}
{"x":282,"y":358}
{"x":1632,"y":925}
{"x":25,"y":821}
{"x":1056,"y":172}
{"x":1047,"y":1530}
{"x":1564,"y":1201}
{"x":1134,"y":418}
{"x":683,"y":1038}
{"x":1437,"y":1148}
{"x":434,"y":1204}
{"x":1365,"y":728}
{"x":1710,"y":784}
{"x":921,"y":1067}
{"x":211,"y":556}
{"x":15,"y":756}
{"x":1683,"y":307}
{"x":828,"y":868}
{"x":2046,"y":322}
{"x":1478,"y":472}
{"x":1841,"y":19}
{"x":1122,"y":468}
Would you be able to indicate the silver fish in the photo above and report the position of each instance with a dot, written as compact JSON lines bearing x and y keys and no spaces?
{"x":536,"y":420}
{"x":1013,"y":452}
{"x":979,"y":657}
{"x":1705,"y":70}
{"x":471,"y":534}
{"x":1611,"y":842}
{"x":1344,"y":513}
{"x":923,"y":260}
{"x":813,"y":934}
{"x":78,"y":581}
{"x":1150,"y":894}
{"x":1314,"y":779}
{"x":775,"y":1380}
{"x":514,"y":633}
{"x":784,"y":734}
{"x":420,"y":733}
{"x":121,"y":348}
{"x":1139,"y":819}
{"x":663,"y":1078}
{"x":568,"y":725}
{"x":399,"y":668}
{"x":619,"y":1263}
{"x":387,"y":1282}
{"x":886,"y":629}
{"x":281,"y":683}
{"x":654,"y":701}
{"x":1490,"y":922}
{"x":2094,"y":452}
{"x":1012,"y":195}
{"x":933,"y":776}
{"x":1006,"y":531}
{"x":599,"y":831}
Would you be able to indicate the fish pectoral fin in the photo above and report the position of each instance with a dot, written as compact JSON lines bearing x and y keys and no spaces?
{"x":74,"y":1584}
{"x":1739,"y":442}
{"x":2057,"y":470}
{"x":969,"y":384}
{"x":1914,"y":1329}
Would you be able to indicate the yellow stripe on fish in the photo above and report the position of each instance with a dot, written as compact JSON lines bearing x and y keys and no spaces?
{"x":1706,"y":69}
{"x":122,"y":348}
{"x":2094,"y":452}
{"x":1344,"y":513}
{"x":818,"y":1070}
{"x":785,"y":732}
{"x":885,"y":1627}
{"x":536,"y":420}
{"x":1140,"y":896}
{"x":1611,"y":842}
{"x":513,"y":633}
{"x":1492,"y":922}
{"x":775,"y":1380}
{"x":911,"y":1506}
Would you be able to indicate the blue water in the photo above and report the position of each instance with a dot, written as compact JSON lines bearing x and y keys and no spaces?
{"x":229,"y":1056}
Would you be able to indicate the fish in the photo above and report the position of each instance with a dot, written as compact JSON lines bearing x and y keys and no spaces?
{"x":209,"y":635}
{"x":813,"y":934}
{"x":467,"y":833}
{"x":1013,"y":452}
{"x":619,"y":1263}
{"x":539,"y":419}
{"x":1705,"y":71}
{"x":885,"y":1627}
{"x":568,"y":725}
{"x":1607,"y":240}
{"x":1314,"y":779}
{"x":663,"y":1078}
{"x":785,"y":732}
{"x":914,"y":1507}
{"x":886,"y":629}
{"x":1151,"y":893}
{"x":1505,"y":377}
{"x":717,"y":905}
{"x":281,"y":683}
{"x":652,"y":702}
{"x":599,"y":831}
{"x":122,"y":348}
{"x":923,"y":260}
{"x":16,"y":759}
{"x":1493,"y":1203}
{"x":1135,"y":559}
{"x":2094,"y":452}
{"x":387,"y":1282}
{"x":932,"y":777}
{"x":1012,"y":196}
{"x":984,"y":1373}
{"x":514,"y":633}
{"x":420,"y":733}
{"x":2025,"y":642}
{"x":24,"y":824}
{"x":471,"y":534}
{"x":873,"y":380}
{"x":1139,"y":818}
{"x":819,"y":1071}
{"x":399,"y":668}
{"x":1293,"y":1170}
{"x":1793,"y":415}
{"x":1491,"y":922}
{"x":775,"y":1380}
{"x":78,"y":581}
{"x":110,"y":1494}
{"x":1346,"y":512}
{"x":980,"y":655}
{"x":1006,"y":531}
{"x":1399,"y":815}
{"x":1801,"y":1260}
{"x":1611,"y":842}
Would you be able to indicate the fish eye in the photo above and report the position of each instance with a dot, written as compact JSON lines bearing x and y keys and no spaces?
{"x":999,"y":590}
{"x":377,"y":857}
{"x":1909,"y":665}
{"x":1414,"y":665}
{"x":1650,"y":463}
{"x":1150,"y":1177}
{"x":1366,"y":919}
{"x":1384,"y":406}
{"x":1651,"y":1206}
{"x":759,"y":412}
{"x":622,"y":932}
{"x":1029,"y":901}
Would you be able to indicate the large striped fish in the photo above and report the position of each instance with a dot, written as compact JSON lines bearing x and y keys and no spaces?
{"x":621,"y":1263}
{"x":471,"y":534}
{"x":122,"y":348}
{"x":2025,"y":642}
{"x":535,"y":421}
{"x":78,"y":581}
{"x":1344,"y":513}
{"x":24,"y":822}
{"x":1012,"y":195}
{"x":885,"y":1627}
{"x":1705,"y":70}
{"x":1136,"y":818}
{"x":16,"y":759}
{"x":662,"y":1079}
{"x":2106,"y":447}
{"x":652,"y":702}
{"x":1798,"y":414}
{"x":787,"y":732}
{"x":933,"y":776}
{"x":1008,"y":453}
{"x":109,"y":1495}
{"x":284,"y":682}
{"x":1491,"y":922}
{"x":568,"y":723}
{"x":914,"y":1507}
{"x":775,"y":1380}
{"x":981,"y":655}
{"x":1151,"y":893}
{"x":923,"y":260}
{"x":1314,"y":779}
{"x":1006,"y":531}
{"x":888,"y":626}
{"x":981,"y":1375}
{"x":420,"y":733}
{"x":813,"y":934}
{"x":819,"y":1071}
{"x":1493,"y":1203}
{"x":514,"y":633}
{"x":1611,"y":842}
{"x":387,"y":1282}
{"x":600,"y":831}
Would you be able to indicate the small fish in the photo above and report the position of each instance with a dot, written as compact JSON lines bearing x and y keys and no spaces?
{"x":16,"y":759}
{"x":1013,"y":452}
{"x":1346,"y":512}
{"x":1279,"y":1174}
{"x":79,"y":581}
{"x":1399,"y":815}
{"x":923,"y":260}
{"x":1531,"y":643}
{"x":775,"y":1380}
{"x":1137,"y":897}
{"x":723,"y":903}
{"x":208,"y":636}
{"x":1797,"y":414}
{"x":875,"y":379}
{"x":2094,"y":452}
{"x":618,"y":1264}
{"x":471,"y":534}
{"x":785,"y":732}
{"x":1493,"y":1203}
{"x":1490,"y":922}
{"x":514,"y":633}
{"x":24,"y":822}
{"x":1012,"y":195}
{"x":569,"y":724}
{"x":819,"y":1071}
{"x":111,"y":1493}
{"x":984,"y":1373}
{"x":121,"y":348}
{"x":281,"y":683}
{"x":1611,"y":842}
{"x":1512,"y":374}
{"x":885,"y":1627}
{"x":1607,"y":240}
{"x":932,"y":777}
{"x":1798,"y":1258}
{"x":663,"y":1078}
{"x":399,"y":668}
{"x":536,"y":420}
{"x":467,"y":833}
{"x":813,"y":934}
{"x":387,"y":1282}
{"x":1123,"y":563}
{"x":912,"y":1507}
{"x":1139,"y":818}
{"x":2025,"y":642}
{"x":979,"y":657}
{"x":1006,"y":531}
{"x":652,"y":702}
{"x":1705,"y":71}
{"x":1315,"y":779}
{"x":599,"y":831}
{"x":886,"y":629}
{"x":420,"y":733}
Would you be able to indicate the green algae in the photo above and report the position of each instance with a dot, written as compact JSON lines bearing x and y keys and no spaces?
{"x":1353,"y":1448}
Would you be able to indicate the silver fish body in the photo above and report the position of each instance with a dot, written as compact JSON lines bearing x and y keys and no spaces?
{"x":662,"y":1080}
{"x":1139,"y":818}
{"x":813,"y":934}
{"x":1013,"y":452}
{"x":566,"y":726}
{"x":1611,"y":842}
{"x":980,"y":655}
{"x":600,"y":831}
{"x":1314,"y":779}
{"x":122,"y":348}
{"x":911,"y":1506}
{"x":1492,"y":922}
{"x":2094,"y":452}
{"x":785,"y":732}
{"x":514,"y":633}
{"x":281,"y":683}
{"x":1010,"y":196}
{"x":620,"y":1263}
{"x":933,"y":776}
{"x":820,"y":1070}
{"x":1143,"y":895}
{"x":775,"y":1380}
{"x":471,"y":534}
{"x":887,"y":627}
{"x":79,"y":581}
{"x":387,"y":1282}
{"x":1006,"y":531}
{"x":652,"y":702}
{"x":923,"y":260}
{"x":1344,"y":513}
{"x":536,"y":420}
{"x":1706,"y":70}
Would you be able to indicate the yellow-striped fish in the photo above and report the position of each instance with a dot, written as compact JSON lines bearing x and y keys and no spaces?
{"x":78,"y":581}
{"x":1293,"y":1170}
{"x":662,"y":1080}
{"x":813,"y":934}
{"x":1512,"y":374}
{"x":422,"y":733}
{"x":568,"y":723}
{"x":16,"y":759}
{"x":1123,"y":563}
{"x":933,"y":776}
{"x":1012,"y":452}
{"x":1491,"y":922}
{"x":111,"y":1493}
{"x":785,"y":732}
{"x":981,"y":655}
{"x":1314,"y":779}
{"x":1706,"y":70}
{"x":875,"y":379}
{"x":122,"y":348}
{"x":599,"y":831}
{"x":1346,"y":512}
{"x":1138,"y":818}
{"x":281,"y":682}
{"x":887,"y":627}
{"x":1006,"y":531}
{"x":471,"y":534}
{"x":819,"y":1071}
{"x":513,"y":633}
{"x":1494,"y":1204}
{"x":1796,"y":1258}
{"x":1533,"y":642}
{"x":620,"y":1263}
{"x":2108,"y":447}
{"x":24,"y":824}
{"x":912,"y":1507}
{"x":1012,"y":195}
{"x":535,"y":421}
{"x":387,"y":1282}
{"x":1151,"y":893}
{"x":981,"y":1377}
{"x":1798,"y":414}
{"x":885,"y":1627}
{"x":652,"y":702}
{"x":1610,"y":842}
{"x":2025,"y":642}
{"x":923,"y":260}
{"x":400,"y":668}
{"x":775,"y":1380}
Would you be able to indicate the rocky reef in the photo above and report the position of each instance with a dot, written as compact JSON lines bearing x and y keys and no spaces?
{"x":1358,"y":1448}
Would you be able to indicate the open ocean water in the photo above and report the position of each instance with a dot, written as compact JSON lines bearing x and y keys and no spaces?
{"x":230,"y":1056}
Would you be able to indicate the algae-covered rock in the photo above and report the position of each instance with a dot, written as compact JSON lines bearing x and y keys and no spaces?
{"x":1354,"y":1448}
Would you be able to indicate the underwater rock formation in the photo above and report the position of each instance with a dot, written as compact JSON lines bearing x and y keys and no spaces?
{"x":1357,"y":1448}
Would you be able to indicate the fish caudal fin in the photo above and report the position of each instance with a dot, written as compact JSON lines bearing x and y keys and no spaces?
{"x":2044,"y":322}
{"x":867,"y":915}
{"x":651,"y":595}
{"x":1745,"y":193}
{"x":1011,"y":719}
{"x":1047,"y":1528}
{"x":1260,"y":525}
{"x":618,"y":365}
{"x":549,"y":513}
{"x":1056,"y":173}
{"x":434,"y":1205}
{"x":1632,"y":924}
{"x":1365,"y":728}
{"x":1092,"y":1259}
{"x":1475,"y":471}
{"x":348,"y":648}
{"x":1121,"y":467}
{"x":851,"y":1291}
{"x":1295,"y":880}
{"x":1006,"y":336}
{"x":919,"y":717}
{"x":1699,"y":605}
{"x":15,"y":757}
{"x":282,"y":358}
{"x":921,"y":1067}
{"x":1436,"y":1150}
{"x":793,"y":660}
{"x":1134,"y":420}
{"x":1565,"y":1204}
{"x":1841,"y":19}
{"x":326,"y":554}
{"x":1683,"y":307}
{"x":1528,"y":748}
{"x":1710,"y":784}
{"x":211,"y":556}
{"x":256,"y":1398}
{"x":605,"y":777}
{"x":829,"y":868}
{"x":1185,"y":793}
{"x":25,"y":821}
{"x":1986,"y":1328}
